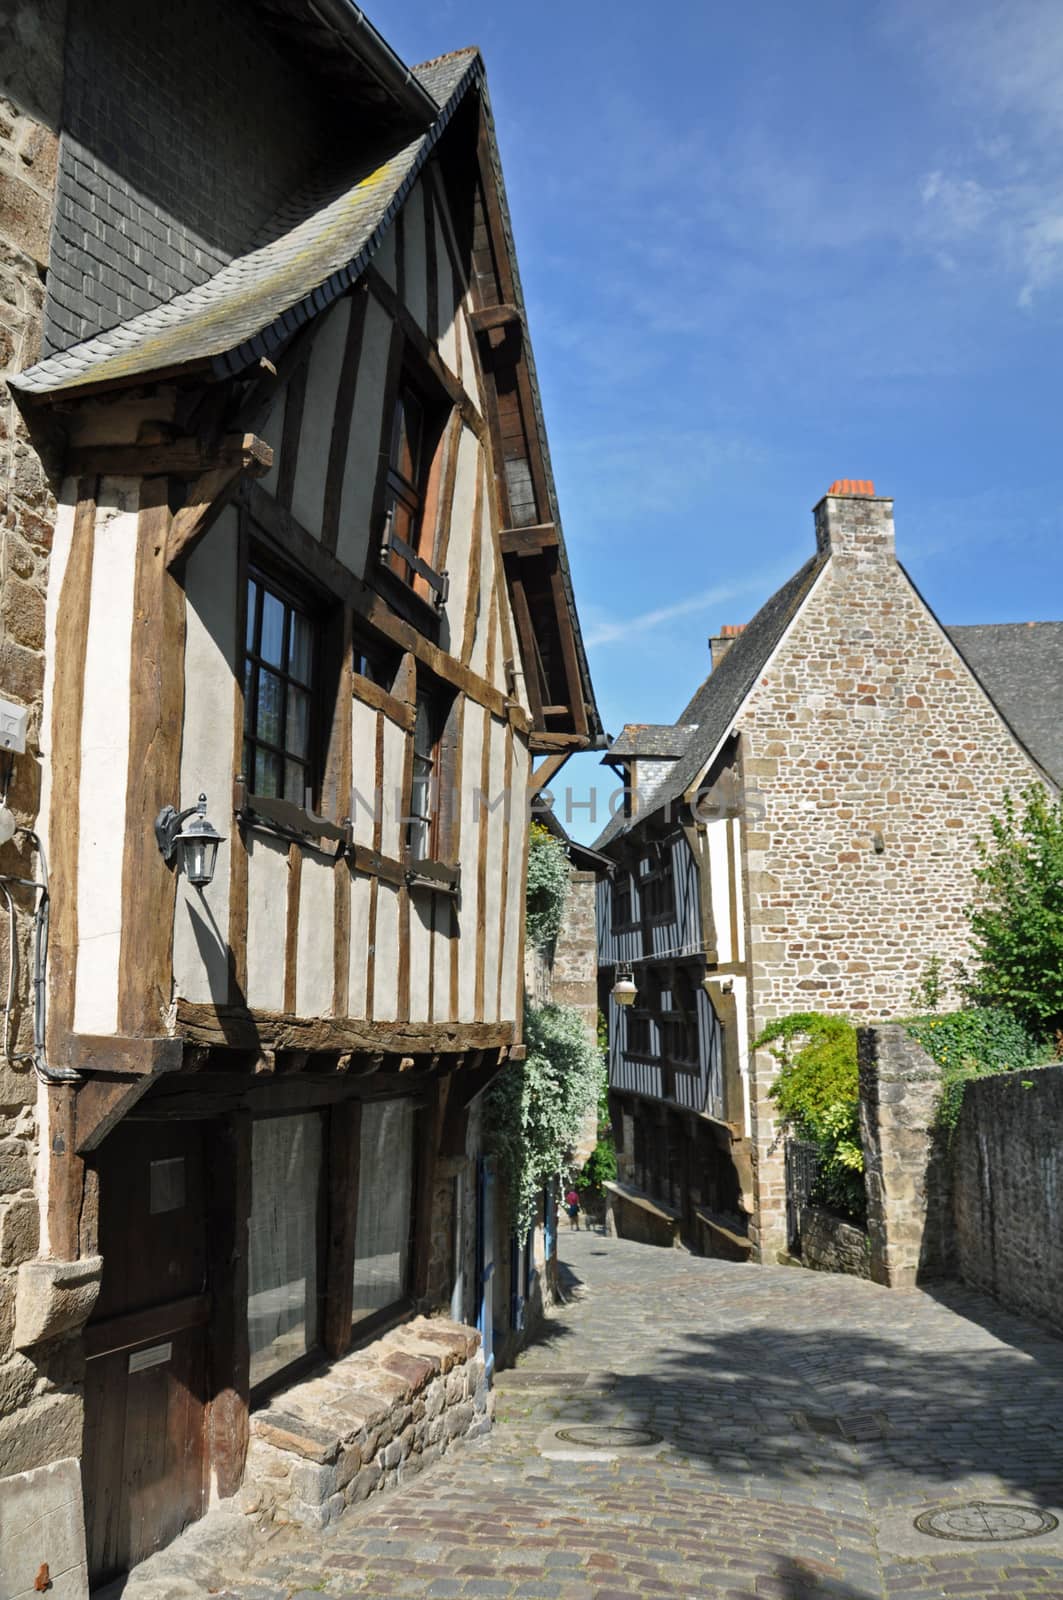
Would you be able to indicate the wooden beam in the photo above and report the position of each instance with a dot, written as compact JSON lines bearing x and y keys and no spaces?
{"x":345,"y":1124}
{"x":228,"y":1213}
{"x":541,"y":743}
{"x":528,"y":649}
{"x":341,"y":420}
{"x":134,"y":1057}
{"x":428,"y":353}
{"x":546,"y":770}
{"x":207,"y":498}
{"x":241,"y":1028}
{"x":568,"y":647}
{"x":178,"y":458}
{"x":528,"y":541}
{"x":103,"y":1100}
{"x":489,"y":317}
{"x":149,"y":887}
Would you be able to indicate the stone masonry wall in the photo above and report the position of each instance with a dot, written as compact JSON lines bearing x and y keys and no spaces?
{"x":366,"y":1422}
{"x":1007,"y":1190}
{"x":830,"y":1245}
{"x":40,"y":1407}
{"x":870,"y":760}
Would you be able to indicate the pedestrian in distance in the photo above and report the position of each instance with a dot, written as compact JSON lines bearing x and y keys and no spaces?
{"x":572,"y":1206}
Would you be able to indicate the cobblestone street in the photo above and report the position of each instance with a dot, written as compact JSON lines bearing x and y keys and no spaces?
{"x":803,"y":1420}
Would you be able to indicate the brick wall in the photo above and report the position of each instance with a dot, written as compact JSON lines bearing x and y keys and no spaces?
{"x":866,"y":724}
{"x":185,"y":129}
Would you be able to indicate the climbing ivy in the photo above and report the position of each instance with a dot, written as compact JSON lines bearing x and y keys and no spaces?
{"x":534,"y":1111}
{"x":818,"y":1095}
{"x":544,"y":902}
{"x":974,"y":1043}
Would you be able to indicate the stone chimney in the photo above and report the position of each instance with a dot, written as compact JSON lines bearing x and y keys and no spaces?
{"x":854,"y":523}
{"x":720,"y":643}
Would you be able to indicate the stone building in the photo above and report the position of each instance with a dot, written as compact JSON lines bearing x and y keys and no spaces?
{"x":801,"y":840}
{"x":280,"y":528}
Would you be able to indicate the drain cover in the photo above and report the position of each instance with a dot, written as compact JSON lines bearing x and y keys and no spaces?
{"x":989,"y":1521}
{"x":607,"y":1436}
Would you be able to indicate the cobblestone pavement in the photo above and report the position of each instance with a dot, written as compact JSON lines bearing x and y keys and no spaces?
{"x":804,"y":1421}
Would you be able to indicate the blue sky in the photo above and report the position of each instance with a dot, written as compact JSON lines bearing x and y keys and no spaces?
{"x":769,"y":245}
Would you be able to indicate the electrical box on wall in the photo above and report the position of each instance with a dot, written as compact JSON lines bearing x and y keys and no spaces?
{"x":13,"y":721}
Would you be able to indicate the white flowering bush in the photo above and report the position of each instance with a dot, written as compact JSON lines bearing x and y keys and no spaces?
{"x":544,"y":903}
{"x":535,"y":1109}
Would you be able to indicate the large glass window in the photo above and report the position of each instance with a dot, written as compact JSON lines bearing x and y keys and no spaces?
{"x":279,"y":668}
{"x":283,"y":1303}
{"x":385,"y":1200}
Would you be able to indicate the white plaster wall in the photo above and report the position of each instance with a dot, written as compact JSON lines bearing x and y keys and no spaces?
{"x":315,"y":942}
{"x":416,"y":256}
{"x":720,"y":888}
{"x":363,"y":768}
{"x":420,"y":953}
{"x":315,"y":432}
{"x":487,"y":616}
{"x":62,"y":538}
{"x":386,"y":985}
{"x":201,"y":916}
{"x":460,"y":546}
{"x":363,"y":443}
{"x":518,"y":836}
{"x":384,"y":260}
{"x":496,"y":831}
{"x":470,"y":372}
{"x":472,"y":750}
{"x":740,"y":908}
{"x":448,"y":333}
{"x":272,"y":432}
{"x":105,"y":757}
{"x":741,"y":994}
{"x":441,"y":960}
{"x":361,"y":889}
{"x":267,"y":918}
{"x":394,"y":806}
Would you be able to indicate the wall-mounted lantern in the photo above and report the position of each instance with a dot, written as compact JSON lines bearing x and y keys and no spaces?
{"x":195,"y":844}
{"x":623,"y":990}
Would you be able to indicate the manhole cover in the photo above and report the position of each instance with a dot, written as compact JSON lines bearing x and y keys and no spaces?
{"x":607,"y":1436}
{"x":989,"y":1521}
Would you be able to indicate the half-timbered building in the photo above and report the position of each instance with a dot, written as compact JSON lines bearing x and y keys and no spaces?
{"x":801,"y":839}
{"x":306,"y":563}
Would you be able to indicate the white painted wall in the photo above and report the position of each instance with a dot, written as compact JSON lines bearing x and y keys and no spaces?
{"x":470,"y":372}
{"x":448,"y":333}
{"x":272,"y":432}
{"x":363,"y":443}
{"x":319,"y":406}
{"x":201,"y":916}
{"x":416,"y":256}
{"x":361,"y":889}
{"x":386,"y":986}
{"x":315,"y":944}
{"x":511,"y":974}
{"x":441,"y":945}
{"x":460,"y":547}
{"x":487,"y":617}
{"x":105,"y":757}
{"x":472,"y":750}
{"x":421,"y":907}
{"x":394,"y":805}
{"x":384,"y":260}
{"x":363,"y":768}
{"x":267,"y":918}
{"x":496,"y":829}
{"x":720,"y":888}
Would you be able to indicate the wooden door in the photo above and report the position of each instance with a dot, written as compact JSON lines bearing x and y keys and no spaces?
{"x":145,"y":1376}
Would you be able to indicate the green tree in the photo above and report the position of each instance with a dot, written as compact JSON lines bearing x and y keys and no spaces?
{"x":1017,"y":919}
{"x":544,"y":901}
{"x":818,"y":1095}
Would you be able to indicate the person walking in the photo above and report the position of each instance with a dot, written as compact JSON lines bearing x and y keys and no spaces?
{"x":572,"y":1206}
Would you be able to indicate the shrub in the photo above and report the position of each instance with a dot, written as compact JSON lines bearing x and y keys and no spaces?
{"x":544,"y":902}
{"x":1017,"y":921}
{"x":600,"y":1166}
{"x":534,"y":1109}
{"x":973,"y":1044}
{"x":818,"y":1095}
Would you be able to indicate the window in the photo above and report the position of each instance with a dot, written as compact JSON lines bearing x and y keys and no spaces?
{"x":385,"y":1207}
{"x":623,"y":914}
{"x":657,"y":886}
{"x":679,"y":1020}
{"x":284,"y":1234}
{"x":375,"y":662}
{"x":280,"y":664}
{"x":409,"y":533}
{"x":419,"y":823}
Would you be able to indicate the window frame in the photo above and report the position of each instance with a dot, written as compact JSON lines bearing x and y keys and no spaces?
{"x":298,"y":599}
{"x":396,"y":1310}
{"x":616,"y":924}
{"x":409,"y":562}
{"x":657,"y":897}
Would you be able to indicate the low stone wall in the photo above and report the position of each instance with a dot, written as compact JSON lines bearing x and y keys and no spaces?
{"x":1007,"y":1190}
{"x":365,"y":1422}
{"x":830,"y":1245}
{"x":630,"y":1214}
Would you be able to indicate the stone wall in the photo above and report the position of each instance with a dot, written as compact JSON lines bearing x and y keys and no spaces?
{"x":830,"y":1245}
{"x":1007,"y":1190}
{"x":905,"y":1168}
{"x":870,"y":760}
{"x":366,"y":1422}
{"x":40,"y":1403}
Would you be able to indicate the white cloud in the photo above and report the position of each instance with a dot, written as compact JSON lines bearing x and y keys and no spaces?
{"x":615,"y":631}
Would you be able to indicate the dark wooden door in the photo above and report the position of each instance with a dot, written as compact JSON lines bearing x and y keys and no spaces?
{"x":145,"y":1377}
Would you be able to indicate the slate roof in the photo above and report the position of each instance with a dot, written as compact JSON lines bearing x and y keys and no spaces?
{"x":719,"y":699}
{"x":317,"y":246}
{"x":1020,"y":665}
{"x":661,"y":739}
